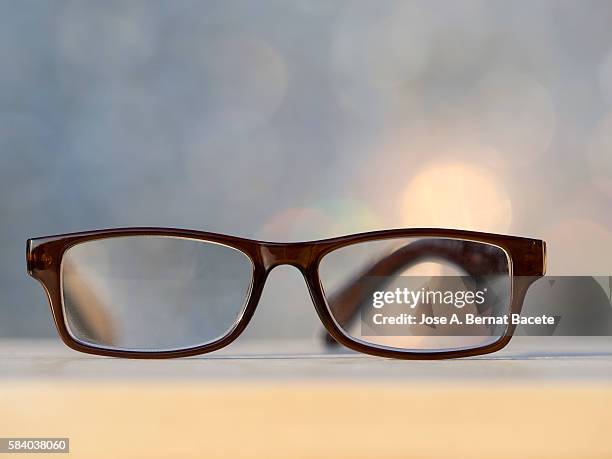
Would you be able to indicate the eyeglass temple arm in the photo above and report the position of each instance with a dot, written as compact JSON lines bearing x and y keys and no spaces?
{"x":347,"y":301}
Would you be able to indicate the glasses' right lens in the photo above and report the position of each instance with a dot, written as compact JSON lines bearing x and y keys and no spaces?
{"x":419,"y":294}
{"x":153,"y":293}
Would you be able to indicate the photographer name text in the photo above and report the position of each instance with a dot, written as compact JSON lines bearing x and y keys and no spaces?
{"x":463,"y":319}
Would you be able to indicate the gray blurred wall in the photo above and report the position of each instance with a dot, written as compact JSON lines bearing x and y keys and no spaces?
{"x":292,"y":120}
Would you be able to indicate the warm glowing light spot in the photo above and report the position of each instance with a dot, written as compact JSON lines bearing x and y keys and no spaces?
{"x":456,"y":196}
{"x":349,"y":216}
{"x":326,"y":218}
{"x":295,"y":224}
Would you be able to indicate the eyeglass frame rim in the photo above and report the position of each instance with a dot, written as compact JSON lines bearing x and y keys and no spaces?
{"x":526,"y":256}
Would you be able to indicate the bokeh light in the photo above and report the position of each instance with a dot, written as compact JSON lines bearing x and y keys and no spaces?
{"x":517,"y":117}
{"x":599,"y":155}
{"x":575,"y":248}
{"x":605,"y":76}
{"x":377,"y":49}
{"x":326,"y":218}
{"x":295,"y":224}
{"x":244,"y":79}
{"x":456,"y":195}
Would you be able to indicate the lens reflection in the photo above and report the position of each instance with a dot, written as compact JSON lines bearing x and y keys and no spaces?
{"x":153,"y":293}
{"x":458,"y":293}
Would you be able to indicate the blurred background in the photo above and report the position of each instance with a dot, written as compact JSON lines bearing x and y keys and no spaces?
{"x":294,"y":120}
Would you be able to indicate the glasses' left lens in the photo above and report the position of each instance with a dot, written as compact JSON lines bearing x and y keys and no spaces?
{"x":419,"y":294}
{"x":153,"y":293}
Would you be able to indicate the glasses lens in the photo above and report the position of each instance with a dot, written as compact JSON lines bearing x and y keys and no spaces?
{"x":153,"y":293}
{"x":419,"y":294}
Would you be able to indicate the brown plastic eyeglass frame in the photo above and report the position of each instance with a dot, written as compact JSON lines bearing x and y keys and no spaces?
{"x":527,"y":260}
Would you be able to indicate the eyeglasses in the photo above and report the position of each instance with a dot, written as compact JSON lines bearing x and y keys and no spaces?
{"x":158,"y":293}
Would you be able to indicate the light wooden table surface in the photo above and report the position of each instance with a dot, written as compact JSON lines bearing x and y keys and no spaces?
{"x":540,"y":399}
